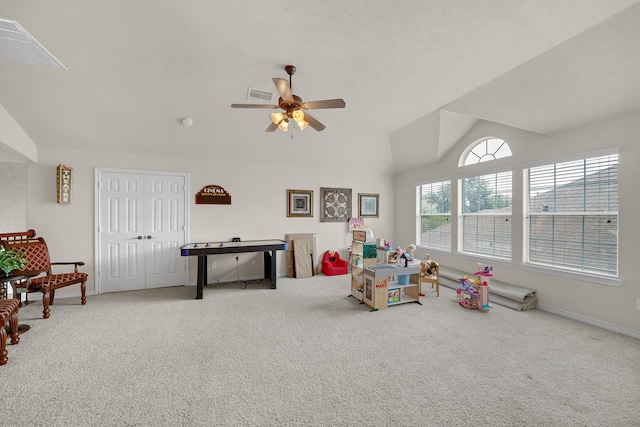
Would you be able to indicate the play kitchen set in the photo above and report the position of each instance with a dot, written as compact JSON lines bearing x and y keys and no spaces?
{"x":381,"y":285}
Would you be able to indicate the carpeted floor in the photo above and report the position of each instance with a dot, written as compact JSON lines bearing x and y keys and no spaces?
{"x":308,"y":355}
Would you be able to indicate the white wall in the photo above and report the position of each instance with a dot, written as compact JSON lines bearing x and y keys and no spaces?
{"x":604,"y":305}
{"x":13,"y":196}
{"x":258,"y":209}
{"x":15,"y":144}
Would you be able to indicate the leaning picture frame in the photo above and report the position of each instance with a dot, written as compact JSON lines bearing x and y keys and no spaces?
{"x":368,"y":205}
{"x":335,"y":204}
{"x":299,"y":203}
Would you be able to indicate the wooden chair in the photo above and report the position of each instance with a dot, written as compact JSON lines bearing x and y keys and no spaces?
{"x":38,"y":266}
{"x":429,"y":273}
{"x":8,"y":315}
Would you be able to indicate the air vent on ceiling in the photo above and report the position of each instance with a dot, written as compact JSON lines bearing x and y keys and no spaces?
{"x":16,"y":44}
{"x":259,"y":95}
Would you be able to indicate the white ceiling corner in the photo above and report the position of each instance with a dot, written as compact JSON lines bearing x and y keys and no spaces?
{"x":453,"y":126}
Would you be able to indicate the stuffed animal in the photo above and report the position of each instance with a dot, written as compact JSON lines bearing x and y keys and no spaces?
{"x":428,"y":267}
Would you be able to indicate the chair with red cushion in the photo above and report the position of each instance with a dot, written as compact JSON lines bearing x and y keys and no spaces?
{"x":332,"y":265}
{"x":38,"y":267}
{"x":8,"y":316}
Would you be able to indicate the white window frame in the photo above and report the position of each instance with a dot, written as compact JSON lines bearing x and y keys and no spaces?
{"x":583,"y":273}
{"x":486,"y":149}
{"x":446,"y":246}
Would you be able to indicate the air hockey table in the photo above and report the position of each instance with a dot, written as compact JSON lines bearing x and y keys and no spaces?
{"x":202,"y":250}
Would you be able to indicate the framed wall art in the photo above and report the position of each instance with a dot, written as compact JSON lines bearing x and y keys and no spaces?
{"x":63,"y":182}
{"x":299,"y":203}
{"x":368,"y":205}
{"x":335,"y":204}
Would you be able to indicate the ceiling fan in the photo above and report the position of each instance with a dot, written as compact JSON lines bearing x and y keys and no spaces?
{"x":292,"y":106}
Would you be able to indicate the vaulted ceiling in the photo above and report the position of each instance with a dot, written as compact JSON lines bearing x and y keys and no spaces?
{"x":415,"y":74}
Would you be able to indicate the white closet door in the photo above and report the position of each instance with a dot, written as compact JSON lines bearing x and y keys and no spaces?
{"x":164,"y":230}
{"x":141,"y":228}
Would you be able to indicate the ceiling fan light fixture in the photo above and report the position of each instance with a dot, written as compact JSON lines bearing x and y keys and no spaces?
{"x":291,"y":106}
{"x":276,"y":118}
{"x":298,"y":116}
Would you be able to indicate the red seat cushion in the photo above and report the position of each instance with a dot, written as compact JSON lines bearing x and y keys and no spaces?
{"x":54,"y":280}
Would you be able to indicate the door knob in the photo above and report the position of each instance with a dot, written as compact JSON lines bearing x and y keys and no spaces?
{"x":149,"y":237}
{"x":140,"y":237}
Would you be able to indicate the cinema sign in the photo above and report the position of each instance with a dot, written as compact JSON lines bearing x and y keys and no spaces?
{"x":213,"y":195}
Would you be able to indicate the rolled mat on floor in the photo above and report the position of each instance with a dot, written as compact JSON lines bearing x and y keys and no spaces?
{"x":508,"y":295}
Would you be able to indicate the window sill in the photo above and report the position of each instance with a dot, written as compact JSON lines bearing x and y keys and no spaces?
{"x":486,"y":259}
{"x":585,"y":277}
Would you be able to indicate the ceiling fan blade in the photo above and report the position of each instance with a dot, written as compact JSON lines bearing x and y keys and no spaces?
{"x":325,"y":103}
{"x":253,"y":106}
{"x":272,"y":127}
{"x":314,"y":123}
{"x":284,"y":89}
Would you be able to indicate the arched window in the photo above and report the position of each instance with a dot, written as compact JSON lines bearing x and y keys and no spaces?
{"x":485,"y":150}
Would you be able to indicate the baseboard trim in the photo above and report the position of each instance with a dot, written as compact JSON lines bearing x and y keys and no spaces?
{"x":590,"y":321}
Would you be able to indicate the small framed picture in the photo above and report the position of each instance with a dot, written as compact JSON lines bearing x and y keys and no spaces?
{"x":368,"y":205}
{"x":300,"y":203}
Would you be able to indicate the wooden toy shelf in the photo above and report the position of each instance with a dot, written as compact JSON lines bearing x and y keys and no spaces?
{"x":403,"y":296}
{"x":363,"y":254}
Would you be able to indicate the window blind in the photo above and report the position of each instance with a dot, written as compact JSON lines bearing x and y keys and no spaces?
{"x":573,"y":215}
{"x":433,"y":219}
{"x":485,"y":222}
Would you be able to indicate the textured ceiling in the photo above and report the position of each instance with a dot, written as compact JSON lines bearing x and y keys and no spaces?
{"x":414,"y":73}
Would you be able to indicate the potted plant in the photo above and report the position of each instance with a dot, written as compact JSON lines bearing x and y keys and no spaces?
{"x":9,"y":261}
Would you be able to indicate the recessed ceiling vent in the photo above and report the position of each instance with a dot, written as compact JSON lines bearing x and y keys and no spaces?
{"x":16,"y":44}
{"x":259,"y":95}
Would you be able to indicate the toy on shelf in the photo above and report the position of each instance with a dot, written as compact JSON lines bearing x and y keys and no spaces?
{"x":394,"y":255}
{"x":407,"y":256}
{"x":385,"y":244}
{"x":474,"y":292}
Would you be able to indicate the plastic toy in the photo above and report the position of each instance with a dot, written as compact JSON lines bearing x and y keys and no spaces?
{"x":473,"y":292}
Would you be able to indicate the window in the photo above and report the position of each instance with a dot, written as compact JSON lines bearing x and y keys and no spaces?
{"x":572,"y":212}
{"x":485,"y":221}
{"x":433,"y":222}
{"x":485,"y":150}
